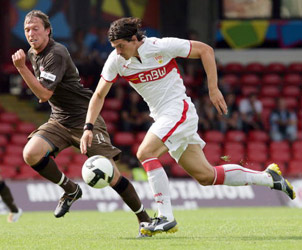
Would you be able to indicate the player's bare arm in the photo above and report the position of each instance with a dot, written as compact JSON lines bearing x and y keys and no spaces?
{"x":207,"y":57}
{"x":36,"y":87}
{"x":94,"y":109}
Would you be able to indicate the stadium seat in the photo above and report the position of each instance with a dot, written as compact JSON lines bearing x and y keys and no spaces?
{"x":299,"y":133}
{"x":297,"y":155}
{"x":166,"y":160}
{"x":74,"y":170}
{"x":234,"y":156}
{"x":124,"y":139}
{"x":247,"y":90}
{"x":254,"y":67}
{"x":9,"y":117}
{"x":62,"y":160}
{"x":178,"y":171}
{"x":11,"y":160}
{"x":235,"y":136}
{"x":270,"y":91}
{"x":280,"y":156}
{"x":13,"y":149}
{"x":68,"y":152}
{"x":19,"y":139}
{"x":112,"y":104}
{"x":291,"y":103}
{"x":250,"y":79}
{"x":291,"y":91}
{"x":271,"y":79}
{"x":214,"y":136}
{"x":258,"y":135}
{"x":254,"y":166}
{"x":292,"y":79}
{"x":212,"y":147}
{"x":254,"y":145}
{"x":279,"y":146}
{"x":256,"y":156}
{"x":268,"y":102}
{"x":297,"y":146}
{"x":25,"y":127}
{"x":6,"y":129}
{"x":3,"y":140}
{"x":233,"y":67}
{"x":277,"y":68}
{"x":295,"y":168}
{"x":230,"y":79}
{"x":111,"y":128}
{"x":26,"y":172}
{"x":110,"y":116}
{"x":213,"y":157}
{"x":7,"y":172}
{"x":294,"y":67}
{"x":79,"y":159}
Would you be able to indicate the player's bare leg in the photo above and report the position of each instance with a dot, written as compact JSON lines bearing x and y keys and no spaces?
{"x":149,"y":151}
{"x":195,"y":163}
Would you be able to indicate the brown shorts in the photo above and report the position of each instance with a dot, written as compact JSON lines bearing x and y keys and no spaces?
{"x":60,"y":137}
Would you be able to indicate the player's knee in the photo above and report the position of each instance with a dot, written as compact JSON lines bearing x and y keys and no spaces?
{"x":31,"y":157}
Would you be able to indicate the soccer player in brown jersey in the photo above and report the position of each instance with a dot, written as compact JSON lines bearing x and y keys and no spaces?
{"x":56,"y":80}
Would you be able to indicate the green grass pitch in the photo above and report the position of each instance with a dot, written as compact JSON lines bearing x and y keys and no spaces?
{"x":205,"y":228}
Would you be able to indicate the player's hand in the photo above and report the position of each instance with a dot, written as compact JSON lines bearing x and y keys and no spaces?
{"x":218,"y":101}
{"x":86,"y":141}
{"x":19,"y":58}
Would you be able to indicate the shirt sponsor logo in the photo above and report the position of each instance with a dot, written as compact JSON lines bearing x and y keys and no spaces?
{"x":48,"y":76}
{"x":152,"y":75}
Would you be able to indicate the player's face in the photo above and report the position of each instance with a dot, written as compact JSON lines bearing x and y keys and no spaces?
{"x":36,"y":34}
{"x":124,"y":48}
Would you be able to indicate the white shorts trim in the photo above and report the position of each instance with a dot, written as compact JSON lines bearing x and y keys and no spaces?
{"x":178,"y":128}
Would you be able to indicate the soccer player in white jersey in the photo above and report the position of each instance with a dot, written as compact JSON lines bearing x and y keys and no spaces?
{"x":148,"y":64}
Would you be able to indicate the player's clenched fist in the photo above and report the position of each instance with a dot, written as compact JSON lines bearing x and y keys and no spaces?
{"x":19,"y":58}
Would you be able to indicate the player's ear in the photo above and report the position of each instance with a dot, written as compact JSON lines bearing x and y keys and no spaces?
{"x":134,"y":38}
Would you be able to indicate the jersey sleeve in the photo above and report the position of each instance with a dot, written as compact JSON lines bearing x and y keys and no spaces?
{"x":110,"y":72}
{"x":176,"y":47}
{"x":53,"y":71}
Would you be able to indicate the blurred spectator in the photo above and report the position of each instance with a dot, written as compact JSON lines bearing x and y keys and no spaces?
{"x":209,"y":119}
{"x":250,"y":109}
{"x":233,"y":119}
{"x":283,"y":123}
{"x":135,"y":114}
{"x":80,"y":52}
{"x":100,"y":48}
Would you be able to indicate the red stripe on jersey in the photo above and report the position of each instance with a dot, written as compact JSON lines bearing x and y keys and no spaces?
{"x":152,"y":75}
{"x":182,"y":119}
{"x":190,"y":48}
{"x":114,"y":80}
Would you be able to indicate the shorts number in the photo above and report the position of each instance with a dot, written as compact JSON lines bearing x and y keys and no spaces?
{"x":100,"y":138}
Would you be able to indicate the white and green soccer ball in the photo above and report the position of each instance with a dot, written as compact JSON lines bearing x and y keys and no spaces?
{"x":97,"y":171}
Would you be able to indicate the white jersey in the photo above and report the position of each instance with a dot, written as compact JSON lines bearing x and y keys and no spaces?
{"x":156,"y":77}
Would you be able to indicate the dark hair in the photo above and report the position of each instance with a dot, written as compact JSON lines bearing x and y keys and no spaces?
{"x":42,"y":16}
{"x":125,"y":28}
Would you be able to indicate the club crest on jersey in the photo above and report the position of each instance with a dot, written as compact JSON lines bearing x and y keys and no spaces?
{"x":159,"y":59}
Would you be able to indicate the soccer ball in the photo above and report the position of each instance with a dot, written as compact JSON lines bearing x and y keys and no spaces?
{"x":97,"y":171}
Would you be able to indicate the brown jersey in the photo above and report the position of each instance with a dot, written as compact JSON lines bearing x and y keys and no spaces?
{"x":55,"y":70}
